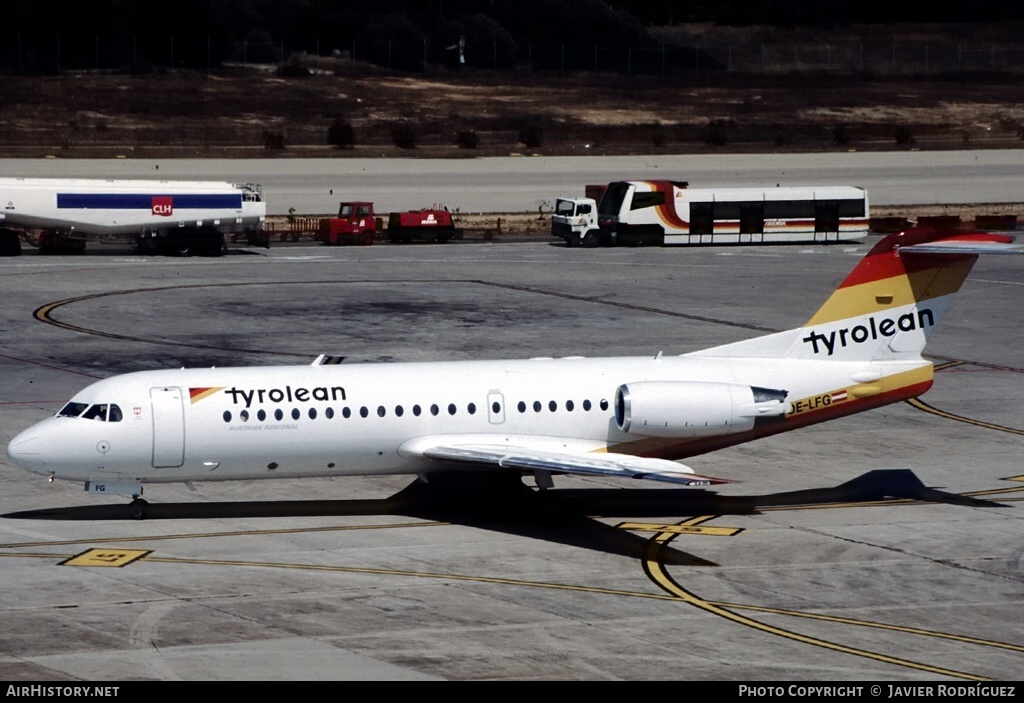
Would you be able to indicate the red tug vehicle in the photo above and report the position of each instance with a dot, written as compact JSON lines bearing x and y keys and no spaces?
{"x":357,"y":223}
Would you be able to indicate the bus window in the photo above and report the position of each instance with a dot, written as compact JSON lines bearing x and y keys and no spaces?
{"x":851,"y":208}
{"x":826,"y":215}
{"x":702,"y":220}
{"x":611,"y":201}
{"x":789,"y":209}
{"x":752,"y":217}
{"x":645,"y":200}
{"x":727,"y":210}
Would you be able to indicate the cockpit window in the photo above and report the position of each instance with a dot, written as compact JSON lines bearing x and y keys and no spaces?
{"x":73,"y":409}
{"x":101,"y":411}
{"x":96,"y":412}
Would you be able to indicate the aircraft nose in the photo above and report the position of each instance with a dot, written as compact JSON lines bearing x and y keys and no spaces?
{"x":26,"y":448}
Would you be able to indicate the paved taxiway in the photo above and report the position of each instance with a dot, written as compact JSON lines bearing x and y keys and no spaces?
{"x":899,"y":557}
{"x":517,"y":184}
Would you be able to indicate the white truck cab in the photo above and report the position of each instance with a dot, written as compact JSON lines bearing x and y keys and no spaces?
{"x":575,"y":221}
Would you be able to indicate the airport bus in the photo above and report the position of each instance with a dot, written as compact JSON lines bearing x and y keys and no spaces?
{"x":633,"y":213}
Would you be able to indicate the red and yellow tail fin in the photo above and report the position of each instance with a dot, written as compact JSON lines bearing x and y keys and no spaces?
{"x":890,"y":303}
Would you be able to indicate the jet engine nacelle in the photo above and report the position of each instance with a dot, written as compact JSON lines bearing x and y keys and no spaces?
{"x":693,"y":408}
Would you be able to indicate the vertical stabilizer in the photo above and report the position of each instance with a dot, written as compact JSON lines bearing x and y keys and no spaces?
{"x":889,"y":305}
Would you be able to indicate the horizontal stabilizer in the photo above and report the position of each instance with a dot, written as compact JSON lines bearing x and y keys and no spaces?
{"x":967,"y":243}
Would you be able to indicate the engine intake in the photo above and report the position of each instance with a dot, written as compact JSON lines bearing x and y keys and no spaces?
{"x":694,"y":408}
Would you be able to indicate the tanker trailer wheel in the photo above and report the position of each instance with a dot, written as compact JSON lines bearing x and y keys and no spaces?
{"x":181,"y":244}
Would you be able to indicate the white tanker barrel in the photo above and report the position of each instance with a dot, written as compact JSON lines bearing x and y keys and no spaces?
{"x":179,"y":216}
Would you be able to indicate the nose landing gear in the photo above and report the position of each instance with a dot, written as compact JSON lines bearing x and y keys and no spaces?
{"x":137,"y":508}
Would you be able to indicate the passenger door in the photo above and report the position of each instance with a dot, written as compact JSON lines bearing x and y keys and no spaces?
{"x":168,"y":427}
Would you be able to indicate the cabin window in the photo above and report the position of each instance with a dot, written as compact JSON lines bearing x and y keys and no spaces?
{"x":329,"y":412}
{"x":296,"y":414}
{"x":521,"y":406}
{"x":279,"y":414}
{"x":586,"y":405}
{"x":495,"y":407}
{"x":261,"y":415}
{"x":244,"y":415}
{"x":569,"y":405}
{"x":312,"y":413}
{"x":434,"y":410}
{"x":471,"y":408}
{"x":451,"y":408}
{"x":227,"y":416}
{"x":346,"y":413}
{"x":399,"y":411}
{"x":364,"y":411}
{"x":604,"y":404}
{"x":381,"y":412}
{"x":416,"y":410}
{"x":537,"y":406}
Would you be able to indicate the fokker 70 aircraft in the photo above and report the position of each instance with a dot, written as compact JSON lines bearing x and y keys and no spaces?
{"x":632,"y":417}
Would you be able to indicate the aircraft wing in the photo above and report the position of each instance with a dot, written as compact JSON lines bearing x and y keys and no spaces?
{"x":583,"y":464}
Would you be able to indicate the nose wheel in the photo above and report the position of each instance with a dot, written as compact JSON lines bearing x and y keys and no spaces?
{"x":137,"y":508}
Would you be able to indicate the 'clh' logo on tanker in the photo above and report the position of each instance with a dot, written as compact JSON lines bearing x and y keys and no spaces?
{"x":163,"y":205}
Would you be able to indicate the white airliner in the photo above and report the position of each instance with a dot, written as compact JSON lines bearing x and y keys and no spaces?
{"x":631,"y":417}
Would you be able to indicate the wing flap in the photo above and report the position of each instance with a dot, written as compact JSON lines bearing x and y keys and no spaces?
{"x":588,"y":464}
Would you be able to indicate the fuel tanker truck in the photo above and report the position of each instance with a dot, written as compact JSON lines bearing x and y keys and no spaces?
{"x":181,"y":218}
